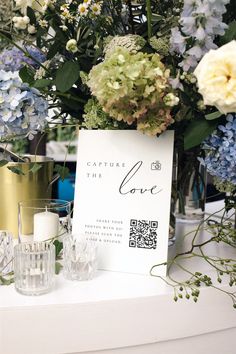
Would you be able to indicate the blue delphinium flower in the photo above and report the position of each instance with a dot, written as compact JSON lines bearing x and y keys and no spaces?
{"x":23,"y":111}
{"x":14,"y":59}
{"x":200,"y":22}
{"x":220,"y":148}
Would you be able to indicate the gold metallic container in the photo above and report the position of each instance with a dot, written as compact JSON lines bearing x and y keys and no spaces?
{"x":15,"y":188}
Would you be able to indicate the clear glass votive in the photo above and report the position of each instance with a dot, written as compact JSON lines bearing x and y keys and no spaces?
{"x":6,"y":252}
{"x":34,"y":267}
{"x":80,"y":258}
{"x":43,"y":219}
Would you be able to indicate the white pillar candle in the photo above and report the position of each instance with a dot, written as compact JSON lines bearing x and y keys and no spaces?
{"x":46,"y":225}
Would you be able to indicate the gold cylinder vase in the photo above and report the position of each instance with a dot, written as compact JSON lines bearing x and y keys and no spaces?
{"x":17,"y":187}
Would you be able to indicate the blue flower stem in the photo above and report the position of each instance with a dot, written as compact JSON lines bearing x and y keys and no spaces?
{"x":149,"y":18}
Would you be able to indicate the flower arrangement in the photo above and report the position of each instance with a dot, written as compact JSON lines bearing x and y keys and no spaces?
{"x":118,"y":64}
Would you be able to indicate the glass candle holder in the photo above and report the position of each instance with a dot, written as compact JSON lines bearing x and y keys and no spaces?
{"x":6,"y":252}
{"x":34,"y":267}
{"x":43,"y":219}
{"x":80,"y":259}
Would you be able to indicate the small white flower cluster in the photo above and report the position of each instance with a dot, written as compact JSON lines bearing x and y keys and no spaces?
{"x":89,"y":6}
{"x":66,"y":14}
{"x":40,"y":73}
{"x":5,"y":13}
{"x":171,"y":100}
{"x":37,"y":5}
{"x":23,"y":22}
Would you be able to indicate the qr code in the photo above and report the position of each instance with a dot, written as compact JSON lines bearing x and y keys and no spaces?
{"x":143,"y":234}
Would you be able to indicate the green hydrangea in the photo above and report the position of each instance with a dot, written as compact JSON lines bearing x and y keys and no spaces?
{"x":133,"y":88}
{"x":96,"y":118}
{"x":132,"y":42}
{"x":161,"y":45}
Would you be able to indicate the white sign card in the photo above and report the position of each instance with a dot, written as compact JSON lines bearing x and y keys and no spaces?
{"x":122,"y":197}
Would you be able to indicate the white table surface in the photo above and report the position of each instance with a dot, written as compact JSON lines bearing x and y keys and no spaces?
{"x":118,"y":313}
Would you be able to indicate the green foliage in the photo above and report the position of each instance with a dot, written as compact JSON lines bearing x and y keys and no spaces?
{"x":63,"y":171}
{"x":3,"y":162}
{"x":19,"y":146}
{"x":31,"y":15}
{"x":221,"y":232}
{"x":213,"y":115}
{"x":67,"y":76}
{"x":58,"y":246}
{"x":16,"y":170}
{"x":42,"y":83}
{"x":34,"y":167}
{"x":27,"y":75}
{"x":6,"y":280}
{"x":58,"y":267}
{"x":230,"y":33}
{"x":197,"y":131}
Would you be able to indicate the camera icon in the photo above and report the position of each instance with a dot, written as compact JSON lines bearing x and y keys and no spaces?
{"x":156,"y":166}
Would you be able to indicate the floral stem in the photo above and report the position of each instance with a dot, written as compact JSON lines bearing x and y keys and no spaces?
{"x":67,"y":95}
{"x":149,"y":18}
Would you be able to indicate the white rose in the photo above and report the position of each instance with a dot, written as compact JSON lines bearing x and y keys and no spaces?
{"x":216,"y":77}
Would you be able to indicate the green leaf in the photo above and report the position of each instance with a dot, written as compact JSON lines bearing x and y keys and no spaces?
{"x":39,"y":84}
{"x":230,"y":33}
{"x":156,"y":18}
{"x":3,"y":162}
{"x":213,"y":115}
{"x":34,"y":167}
{"x":16,"y":170}
{"x":67,"y":75}
{"x":58,"y":267}
{"x":26,"y":75}
{"x":59,"y":246}
{"x":31,"y":15}
{"x":197,"y":131}
{"x":62,"y":170}
{"x":6,"y":281}
{"x":39,"y":35}
{"x":53,"y":49}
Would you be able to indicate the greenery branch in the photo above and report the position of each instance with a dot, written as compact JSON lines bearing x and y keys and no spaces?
{"x":219,"y":232}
